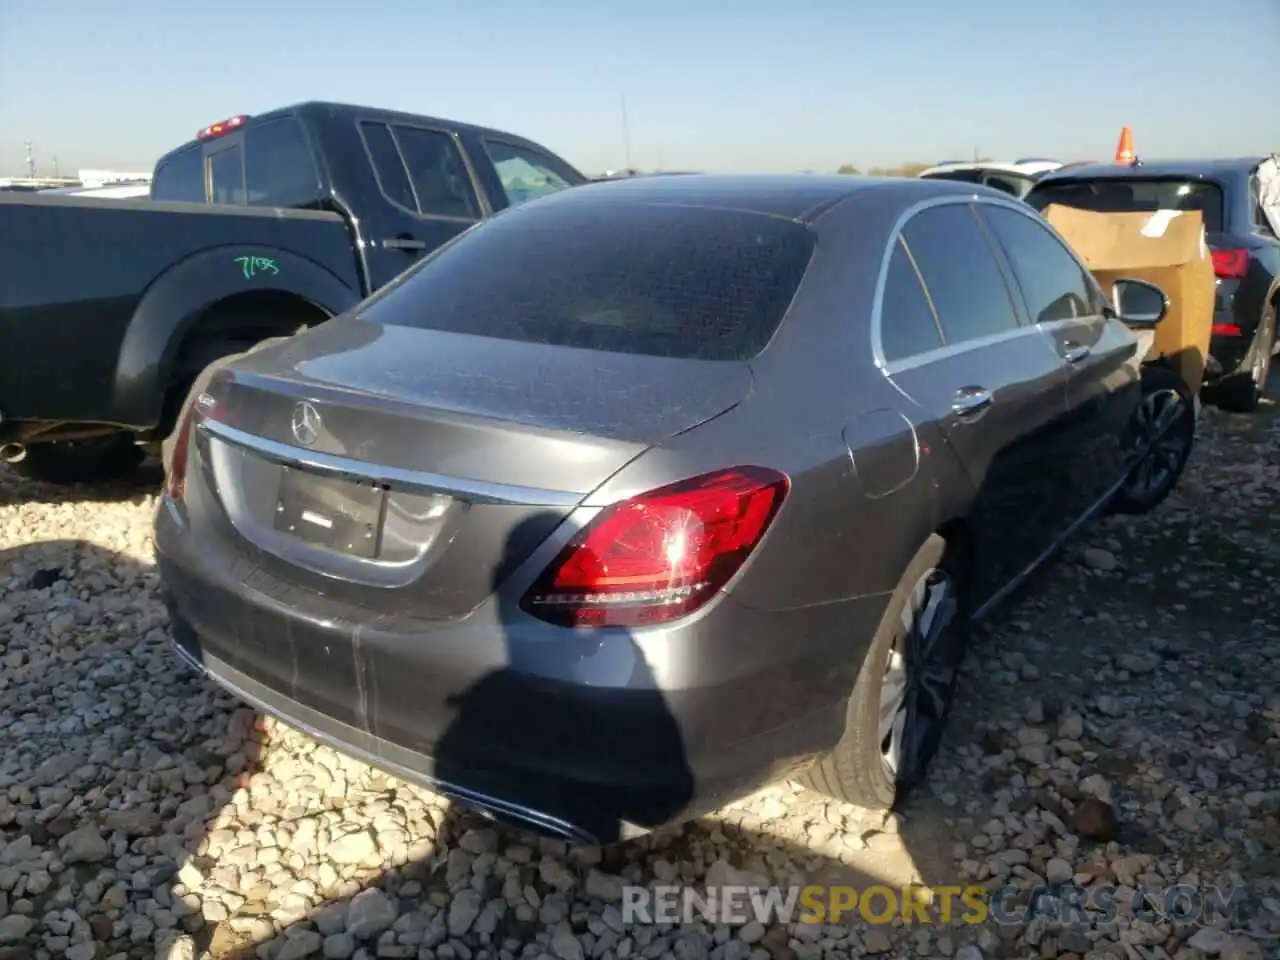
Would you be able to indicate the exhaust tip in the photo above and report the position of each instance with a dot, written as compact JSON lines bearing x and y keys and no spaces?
{"x":540,"y":823}
{"x":13,"y":452}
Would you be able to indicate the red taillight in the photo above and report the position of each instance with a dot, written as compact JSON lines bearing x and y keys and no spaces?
{"x":222,"y":127}
{"x":175,"y":483}
{"x":205,"y":405}
{"x":1230,"y":264}
{"x":1227,"y":330}
{"x":660,"y":555}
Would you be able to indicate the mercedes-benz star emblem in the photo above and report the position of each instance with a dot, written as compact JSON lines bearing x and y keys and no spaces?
{"x":305,"y":423}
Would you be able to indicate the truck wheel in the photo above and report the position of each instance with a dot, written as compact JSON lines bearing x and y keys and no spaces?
{"x":197,"y":387}
{"x":902,"y":700}
{"x":1164,"y":430}
{"x":1240,"y":392}
{"x":81,"y":461}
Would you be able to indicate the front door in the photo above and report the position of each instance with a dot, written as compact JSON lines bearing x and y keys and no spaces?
{"x":1103,"y":383}
{"x":994,"y":385}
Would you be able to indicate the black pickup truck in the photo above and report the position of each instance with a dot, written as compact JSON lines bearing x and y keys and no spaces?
{"x":259,"y":227}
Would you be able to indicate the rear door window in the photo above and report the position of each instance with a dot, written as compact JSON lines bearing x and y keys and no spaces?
{"x":1054,"y":286}
{"x":960,"y":273}
{"x":388,"y":165}
{"x":181,"y":178}
{"x":226,"y":176}
{"x":661,"y":280}
{"x":1134,"y":195}
{"x":908,"y":325}
{"x":279,"y":169}
{"x":439,"y":176}
{"x":525,"y":174}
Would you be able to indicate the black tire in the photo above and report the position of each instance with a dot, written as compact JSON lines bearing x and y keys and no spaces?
{"x":1239,"y":392}
{"x":1145,"y":491}
{"x":856,"y":771}
{"x":197,"y":387}
{"x":98,"y":460}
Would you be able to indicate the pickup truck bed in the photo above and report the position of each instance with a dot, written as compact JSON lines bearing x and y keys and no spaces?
{"x":257,"y":228}
{"x":106,"y":279}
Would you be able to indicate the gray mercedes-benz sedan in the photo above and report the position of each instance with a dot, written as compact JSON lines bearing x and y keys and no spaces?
{"x":639,"y":496}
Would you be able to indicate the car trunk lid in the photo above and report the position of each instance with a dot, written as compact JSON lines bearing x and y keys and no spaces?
{"x":361,"y":459}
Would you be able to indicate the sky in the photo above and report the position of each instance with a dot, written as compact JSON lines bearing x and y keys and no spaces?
{"x":707,"y":84}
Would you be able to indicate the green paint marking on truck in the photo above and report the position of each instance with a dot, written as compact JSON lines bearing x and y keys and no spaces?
{"x":255,"y":265}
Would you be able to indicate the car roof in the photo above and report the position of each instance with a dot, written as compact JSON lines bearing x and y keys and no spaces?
{"x":1026,"y":168}
{"x":1147,"y":169}
{"x":796,"y":196}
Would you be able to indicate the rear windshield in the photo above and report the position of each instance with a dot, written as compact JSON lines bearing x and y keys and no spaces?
{"x":964,"y":176}
{"x":1130,"y":195}
{"x":663,"y":280}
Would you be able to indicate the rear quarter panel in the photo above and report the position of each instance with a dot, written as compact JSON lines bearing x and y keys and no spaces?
{"x":841,"y":534}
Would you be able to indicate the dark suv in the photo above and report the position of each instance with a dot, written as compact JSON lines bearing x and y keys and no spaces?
{"x":1243,"y":244}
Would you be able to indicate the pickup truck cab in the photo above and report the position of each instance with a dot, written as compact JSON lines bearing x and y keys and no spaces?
{"x":1241,"y":239}
{"x":257,"y":228}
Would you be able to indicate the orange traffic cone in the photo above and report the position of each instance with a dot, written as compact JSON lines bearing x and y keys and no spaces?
{"x":1124,"y":149}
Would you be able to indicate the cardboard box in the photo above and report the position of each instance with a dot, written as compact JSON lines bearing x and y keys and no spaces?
{"x":1166,"y":248}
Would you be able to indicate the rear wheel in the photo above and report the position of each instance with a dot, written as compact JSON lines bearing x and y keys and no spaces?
{"x":1162,"y":434}
{"x":1241,"y":391}
{"x":903,"y":697}
{"x":96,"y":460}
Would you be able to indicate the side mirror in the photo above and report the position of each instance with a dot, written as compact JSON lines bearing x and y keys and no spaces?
{"x":1138,"y":303}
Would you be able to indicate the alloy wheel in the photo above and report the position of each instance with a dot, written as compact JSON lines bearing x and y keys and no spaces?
{"x":1161,"y":445}
{"x":919,"y":678}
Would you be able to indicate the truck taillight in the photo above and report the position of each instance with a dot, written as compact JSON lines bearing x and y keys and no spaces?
{"x":660,"y":555}
{"x":222,"y":127}
{"x":1230,"y":264}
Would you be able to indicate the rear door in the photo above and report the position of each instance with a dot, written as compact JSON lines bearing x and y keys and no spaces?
{"x":1063,"y":300}
{"x":428,"y":192}
{"x":950,"y":337}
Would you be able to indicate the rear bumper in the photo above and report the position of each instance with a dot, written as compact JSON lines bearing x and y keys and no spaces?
{"x":591,"y":737}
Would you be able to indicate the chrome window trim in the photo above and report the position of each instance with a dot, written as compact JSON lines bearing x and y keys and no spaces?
{"x":889,"y":368}
{"x":418,"y":481}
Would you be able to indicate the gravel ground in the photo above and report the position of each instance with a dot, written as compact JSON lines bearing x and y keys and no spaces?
{"x":1119,"y":728}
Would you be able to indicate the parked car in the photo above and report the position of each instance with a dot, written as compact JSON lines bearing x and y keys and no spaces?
{"x":258,"y":227}
{"x":1242,"y":242}
{"x":1015,"y":178}
{"x":646,"y":493}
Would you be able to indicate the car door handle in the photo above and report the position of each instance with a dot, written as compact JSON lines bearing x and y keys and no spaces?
{"x":1074,"y":352}
{"x":404,"y":243}
{"x":970,"y":400}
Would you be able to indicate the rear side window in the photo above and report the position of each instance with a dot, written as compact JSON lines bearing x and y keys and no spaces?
{"x":1134,"y":195}
{"x":388,"y":165}
{"x":661,"y":280}
{"x":279,"y":170}
{"x":181,"y":178}
{"x":438,"y":175}
{"x":226,"y":176}
{"x":960,"y":273}
{"x":908,"y":326}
